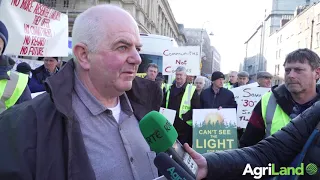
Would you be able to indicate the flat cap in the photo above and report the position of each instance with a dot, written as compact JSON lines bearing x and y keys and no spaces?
{"x":264,"y":74}
{"x":243,"y":74}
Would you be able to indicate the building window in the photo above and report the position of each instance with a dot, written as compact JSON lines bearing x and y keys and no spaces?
{"x":307,"y":23}
{"x":298,"y":44}
{"x":318,"y":38}
{"x":279,"y":53}
{"x":300,"y":27}
{"x":280,"y":38}
{"x":319,"y":18}
{"x":306,"y":43}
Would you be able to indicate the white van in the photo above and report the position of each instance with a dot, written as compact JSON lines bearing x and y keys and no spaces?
{"x":153,"y":47}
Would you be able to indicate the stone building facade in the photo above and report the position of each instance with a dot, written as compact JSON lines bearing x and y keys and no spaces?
{"x":152,"y":16}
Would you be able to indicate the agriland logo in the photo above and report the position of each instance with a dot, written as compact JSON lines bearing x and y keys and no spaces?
{"x":258,"y":172}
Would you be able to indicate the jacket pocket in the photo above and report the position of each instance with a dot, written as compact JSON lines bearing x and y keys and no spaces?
{"x":152,"y":156}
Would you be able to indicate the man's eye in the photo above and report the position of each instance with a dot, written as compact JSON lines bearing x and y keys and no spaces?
{"x":138,"y":49}
{"x":122,"y":48}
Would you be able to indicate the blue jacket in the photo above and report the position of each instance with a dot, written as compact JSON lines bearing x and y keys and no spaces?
{"x":6,"y":64}
{"x":36,"y":82}
{"x":281,"y":148}
{"x":210,"y":100}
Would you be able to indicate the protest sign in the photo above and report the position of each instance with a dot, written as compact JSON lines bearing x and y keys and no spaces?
{"x":34,"y":29}
{"x":214,"y":130}
{"x":247,"y":98}
{"x":187,"y":56}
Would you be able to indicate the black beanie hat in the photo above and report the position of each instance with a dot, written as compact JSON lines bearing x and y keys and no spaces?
{"x":4,"y":35}
{"x":217,"y":75}
{"x":24,"y":68}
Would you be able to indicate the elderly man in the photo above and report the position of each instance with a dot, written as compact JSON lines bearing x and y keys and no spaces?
{"x":243,"y":79}
{"x":85,"y":126}
{"x":182,"y":97}
{"x":233,"y":75}
{"x":264,"y":79}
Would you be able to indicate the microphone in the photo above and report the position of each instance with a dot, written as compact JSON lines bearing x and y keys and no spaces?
{"x":170,"y":169}
{"x":162,"y":137}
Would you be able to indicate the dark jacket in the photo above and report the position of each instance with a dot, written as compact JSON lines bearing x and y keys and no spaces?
{"x":36,"y":82}
{"x":210,"y":100}
{"x":280,"y":148}
{"x":183,"y":129}
{"x":40,"y":139}
{"x":255,"y":130}
{"x":6,"y":64}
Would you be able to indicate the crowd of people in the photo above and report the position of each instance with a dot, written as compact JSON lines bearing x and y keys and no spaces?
{"x":85,"y":125}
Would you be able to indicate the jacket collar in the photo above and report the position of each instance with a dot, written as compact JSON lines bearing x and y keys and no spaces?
{"x":284,"y":99}
{"x":60,"y":87}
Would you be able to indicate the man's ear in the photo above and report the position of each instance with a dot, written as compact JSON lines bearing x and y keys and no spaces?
{"x":81,"y":52}
{"x":317,"y":70}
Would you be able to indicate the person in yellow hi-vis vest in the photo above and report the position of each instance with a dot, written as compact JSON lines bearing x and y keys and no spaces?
{"x":13,"y":85}
{"x":233,"y":76}
{"x":183,"y":98}
{"x":276,"y":109}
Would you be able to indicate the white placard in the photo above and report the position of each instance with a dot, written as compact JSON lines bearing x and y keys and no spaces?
{"x":187,"y":56}
{"x":169,"y":114}
{"x":247,"y":98}
{"x":34,"y":29}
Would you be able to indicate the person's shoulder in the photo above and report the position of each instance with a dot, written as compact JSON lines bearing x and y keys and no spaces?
{"x":226,"y":91}
{"x":40,"y":106}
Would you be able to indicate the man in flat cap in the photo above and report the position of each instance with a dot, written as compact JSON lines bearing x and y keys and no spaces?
{"x":243,"y":79}
{"x":264,"y":79}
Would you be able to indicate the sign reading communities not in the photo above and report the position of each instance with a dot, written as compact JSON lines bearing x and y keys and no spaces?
{"x":34,"y":29}
{"x":187,"y":56}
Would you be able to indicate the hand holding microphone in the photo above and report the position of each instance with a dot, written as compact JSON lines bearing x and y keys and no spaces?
{"x":200,"y":160}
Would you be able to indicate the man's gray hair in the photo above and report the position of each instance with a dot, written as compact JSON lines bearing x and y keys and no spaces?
{"x":181,"y":69}
{"x":200,"y":78}
{"x":89,"y":27}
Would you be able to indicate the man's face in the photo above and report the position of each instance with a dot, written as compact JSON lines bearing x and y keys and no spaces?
{"x":243,"y":81}
{"x":264,"y":82}
{"x":50,"y":63}
{"x":113,"y":66}
{"x":199,"y":84}
{"x":181,"y":77}
{"x":190,"y":79}
{"x":152,"y":73}
{"x":218,"y":83}
{"x":233,"y":78}
{"x":299,"y":77}
{"x":1,"y":46}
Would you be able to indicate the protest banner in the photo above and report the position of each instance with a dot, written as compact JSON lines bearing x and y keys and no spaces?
{"x":34,"y":29}
{"x":247,"y":98}
{"x":214,"y":130}
{"x":187,"y":56}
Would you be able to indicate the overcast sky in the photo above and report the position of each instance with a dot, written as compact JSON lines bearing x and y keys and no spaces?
{"x":231,"y":21}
